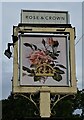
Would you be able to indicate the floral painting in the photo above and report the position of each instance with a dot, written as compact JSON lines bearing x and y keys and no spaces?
{"x":44,"y":60}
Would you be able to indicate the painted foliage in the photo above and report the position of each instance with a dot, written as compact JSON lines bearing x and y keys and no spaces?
{"x":43,"y":60}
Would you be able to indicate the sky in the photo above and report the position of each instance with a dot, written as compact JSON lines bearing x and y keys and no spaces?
{"x":11,"y":16}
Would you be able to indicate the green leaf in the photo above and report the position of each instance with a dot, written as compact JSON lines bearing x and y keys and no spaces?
{"x":28,"y":45}
{"x":56,"y":54}
{"x":43,"y":42}
{"x":56,"y":43}
{"x":53,"y":56}
{"x":32,"y":71}
{"x":26,"y":69}
{"x":49,"y":52}
{"x":31,"y":74}
{"x":62,"y":66}
{"x":57,"y":77}
{"x":35,"y":47}
{"x":57,"y":70}
{"x":58,"y":51}
{"x":32,"y":66}
{"x":37,"y":78}
{"x":52,"y":64}
{"x":39,"y":49}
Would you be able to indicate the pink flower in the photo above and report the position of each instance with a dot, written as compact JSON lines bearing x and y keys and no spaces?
{"x":39,"y":57}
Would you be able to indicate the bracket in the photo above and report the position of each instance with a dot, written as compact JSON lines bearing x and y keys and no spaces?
{"x":30,"y":99}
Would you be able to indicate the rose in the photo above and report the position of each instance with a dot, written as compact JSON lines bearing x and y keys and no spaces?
{"x":39,"y":57}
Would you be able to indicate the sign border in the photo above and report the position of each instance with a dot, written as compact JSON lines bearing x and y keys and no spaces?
{"x":59,"y":90}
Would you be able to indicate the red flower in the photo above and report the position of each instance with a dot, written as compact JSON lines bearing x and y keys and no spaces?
{"x":50,"y":41}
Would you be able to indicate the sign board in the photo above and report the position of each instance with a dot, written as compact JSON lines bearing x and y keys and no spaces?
{"x":44,"y":17}
{"x":44,"y":60}
{"x":55,"y":53}
{"x":46,"y":57}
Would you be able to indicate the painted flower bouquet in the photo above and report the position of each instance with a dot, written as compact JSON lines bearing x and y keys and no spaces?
{"x":46,"y":60}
